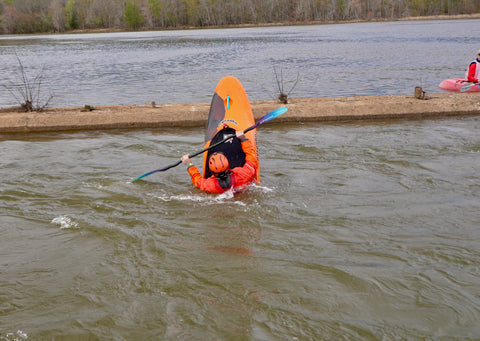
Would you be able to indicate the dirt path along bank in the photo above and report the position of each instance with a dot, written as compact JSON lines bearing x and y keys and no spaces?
{"x":195,"y":114}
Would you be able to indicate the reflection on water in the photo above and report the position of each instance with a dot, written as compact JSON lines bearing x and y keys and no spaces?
{"x":358,"y":231}
{"x":185,"y":66}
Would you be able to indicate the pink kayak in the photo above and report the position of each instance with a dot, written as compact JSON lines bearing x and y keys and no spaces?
{"x":455,"y":84}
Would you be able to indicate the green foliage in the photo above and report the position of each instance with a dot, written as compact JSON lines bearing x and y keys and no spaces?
{"x":133,"y":15}
{"x":156,"y":8}
{"x":71,"y":15}
{"x":191,"y":12}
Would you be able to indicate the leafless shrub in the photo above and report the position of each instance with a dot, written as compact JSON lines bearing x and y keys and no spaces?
{"x":283,"y":96}
{"x":28,"y":92}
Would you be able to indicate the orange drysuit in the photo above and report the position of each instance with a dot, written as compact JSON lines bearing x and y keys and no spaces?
{"x":240,"y":176}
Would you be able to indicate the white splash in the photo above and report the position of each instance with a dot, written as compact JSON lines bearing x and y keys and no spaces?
{"x":263,"y":189}
{"x":65,"y":222}
{"x":207,"y":199}
{"x":18,"y":336}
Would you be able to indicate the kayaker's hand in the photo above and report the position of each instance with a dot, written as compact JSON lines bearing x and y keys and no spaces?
{"x":186,"y":159}
{"x":240,"y":135}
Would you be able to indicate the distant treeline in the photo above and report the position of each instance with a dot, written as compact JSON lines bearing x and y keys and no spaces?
{"x":30,"y":16}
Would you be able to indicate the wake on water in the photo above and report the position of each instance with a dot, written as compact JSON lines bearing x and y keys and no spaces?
{"x":228,"y":197}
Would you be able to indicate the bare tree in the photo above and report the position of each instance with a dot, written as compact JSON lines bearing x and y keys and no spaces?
{"x":28,"y":16}
{"x":283,"y":97}
{"x":105,"y":13}
{"x":28,"y":92}
{"x":57,"y":13}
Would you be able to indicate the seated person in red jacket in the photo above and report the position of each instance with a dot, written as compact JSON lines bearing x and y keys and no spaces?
{"x":473,"y":72}
{"x":225,"y":178}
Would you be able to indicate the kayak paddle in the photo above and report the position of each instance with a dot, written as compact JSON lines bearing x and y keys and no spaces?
{"x":271,"y":115}
{"x":467,"y":86}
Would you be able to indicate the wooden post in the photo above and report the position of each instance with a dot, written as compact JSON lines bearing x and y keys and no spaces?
{"x":419,"y":93}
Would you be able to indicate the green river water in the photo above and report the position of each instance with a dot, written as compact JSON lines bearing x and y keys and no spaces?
{"x":358,"y":231}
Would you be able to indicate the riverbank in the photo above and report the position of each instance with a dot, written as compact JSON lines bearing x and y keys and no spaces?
{"x":270,"y":24}
{"x":286,"y":23}
{"x":195,"y":114}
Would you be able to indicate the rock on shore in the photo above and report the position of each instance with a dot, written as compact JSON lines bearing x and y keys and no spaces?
{"x":195,"y":114}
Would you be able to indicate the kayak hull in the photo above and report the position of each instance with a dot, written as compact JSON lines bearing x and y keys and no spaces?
{"x":455,"y":84}
{"x":230,"y":111}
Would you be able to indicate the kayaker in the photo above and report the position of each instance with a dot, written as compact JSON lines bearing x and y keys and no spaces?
{"x":473,"y":72}
{"x":223,"y":177}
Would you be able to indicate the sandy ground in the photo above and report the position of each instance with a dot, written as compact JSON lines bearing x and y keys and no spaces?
{"x":195,"y":114}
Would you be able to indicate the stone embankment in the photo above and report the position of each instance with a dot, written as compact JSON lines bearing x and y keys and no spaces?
{"x":195,"y":114}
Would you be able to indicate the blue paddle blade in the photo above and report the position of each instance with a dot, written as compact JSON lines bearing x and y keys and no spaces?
{"x":142,"y":176}
{"x":275,"y":113}
{"x":271,"y":115}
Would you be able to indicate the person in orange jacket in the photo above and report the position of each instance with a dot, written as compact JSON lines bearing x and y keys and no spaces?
{"x":223,"y":177}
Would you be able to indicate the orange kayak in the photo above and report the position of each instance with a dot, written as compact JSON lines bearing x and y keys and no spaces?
{"x":230,"y":110}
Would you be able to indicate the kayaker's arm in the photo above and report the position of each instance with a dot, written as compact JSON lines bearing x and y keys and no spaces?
{"x":195,"y":176}
{"x":208,"y":185}
{"x":248,"y":149}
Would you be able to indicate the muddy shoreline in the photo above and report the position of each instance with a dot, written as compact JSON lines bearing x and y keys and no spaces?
{"x":195,"y":114}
